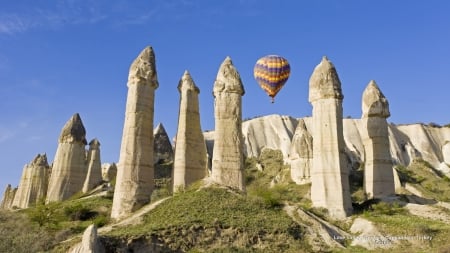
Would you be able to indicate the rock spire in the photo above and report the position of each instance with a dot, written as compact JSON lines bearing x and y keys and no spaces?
{"x":8,"y":197}
{"x":135,"y":173}
{"x":33,"y":183}
{"x":69,"y":166}
{"x":378,"y":169}
{"x":301,"y":154}
{"x":94,"y":167}
{"x":329,"y":177}
{"x":190,"y":162}
{"x":162,"y":148}
{"x":228,"y":159}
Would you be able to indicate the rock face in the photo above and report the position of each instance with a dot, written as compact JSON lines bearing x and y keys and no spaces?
{"x":109,"y":172}
{"x":89,"y":243}
{"x":264,"y":132}
{"x":406,"y":142}
{"x":34,"y":182}
{"x":162,"y":148}
{"x":135,"y":173}
{"x":190,"y":162}
{"x":329,"y":177}
{"x":378,"y":173}
{"x":94,"y":167}
{"x":446,"y":152}
{"x":8,"y":197}
{"x":301,"y":154}
{"x":228,"y":159}
{"x":69,"y":166}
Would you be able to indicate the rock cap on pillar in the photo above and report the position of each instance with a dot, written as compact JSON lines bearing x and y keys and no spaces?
{"x":324,"y":82}
{"x":187,"y":83}
{"x":374,"y":103}
{"x":143,"y":69}
{"x":228,"y":79}
{"x":73,"y":131}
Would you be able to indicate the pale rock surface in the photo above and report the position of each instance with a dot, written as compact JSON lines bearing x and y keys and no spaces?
{"x":162,"y":148}
{"x":94,"y":167}
{"x":228,"y":155}
{"x":368,"y":235}
{"x":89,"y":243}
{"x":378,"y":174}
{"x":397,"y":182}
{"x":329,"y":177}
{"x":135,"y":173}
{"x":190,"y":163}
{"x":109,"y":172}
{"x":272,"y":131}
{"x":301,"y":154}
{"x":403,"y":151}
{"x":8,"y":197}
{"x":446,"y":152}
{"x":33,"y":183}
{"x":69,"y":166}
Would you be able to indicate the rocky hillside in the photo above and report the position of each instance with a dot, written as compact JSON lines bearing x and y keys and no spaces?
{"x":430,"y":143}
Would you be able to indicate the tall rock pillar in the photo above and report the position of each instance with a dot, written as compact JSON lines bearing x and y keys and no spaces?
{"x":378,"y":172}
{"x":94,"y":167}
{"x":34,"y":182}
{"x":228,"y":160}
{"x":190,"y":163}
{"x":135,"y":173}
{"x":329,"y":175}
{"x":69,"y":166}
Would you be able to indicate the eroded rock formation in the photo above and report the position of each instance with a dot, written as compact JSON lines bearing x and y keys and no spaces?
{"x":329,"y":176}
{"x":162,"y":148}
{"x":90,"y":242}
{"x":94,"y":167}
{"x":228,"y":159}
{"x":135,"y":174}
{"x":109,"y":172}
{"x":190,"y":162}
{"x":301,"y":154}
{"x":378,"y":174}
{"x":69,"y":166}
{"x":33,"y":183}
{"x":8,"y":197}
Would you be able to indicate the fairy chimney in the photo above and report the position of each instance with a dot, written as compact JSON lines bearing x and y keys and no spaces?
{"x":329,"y":175}
{"x":190,"y":162}
{"x":135,"y":172}
{"x":228,"y":160}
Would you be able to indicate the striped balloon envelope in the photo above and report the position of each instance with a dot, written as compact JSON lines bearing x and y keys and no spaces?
{"x":271,"y":72}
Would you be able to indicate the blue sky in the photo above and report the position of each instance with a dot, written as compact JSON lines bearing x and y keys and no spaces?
{"x":67,"y":56}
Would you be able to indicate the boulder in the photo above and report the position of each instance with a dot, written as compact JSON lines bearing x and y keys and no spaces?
{"x":90,"y":242}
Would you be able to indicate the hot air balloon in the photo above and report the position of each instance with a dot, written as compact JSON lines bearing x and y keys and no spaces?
{"x":271,"y":72}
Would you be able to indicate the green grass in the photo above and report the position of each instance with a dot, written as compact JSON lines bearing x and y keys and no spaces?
{"x":431,"y":182}
{"x":206,"y":217}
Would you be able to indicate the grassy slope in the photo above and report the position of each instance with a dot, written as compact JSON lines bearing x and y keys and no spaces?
{"x":216,"y":219}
